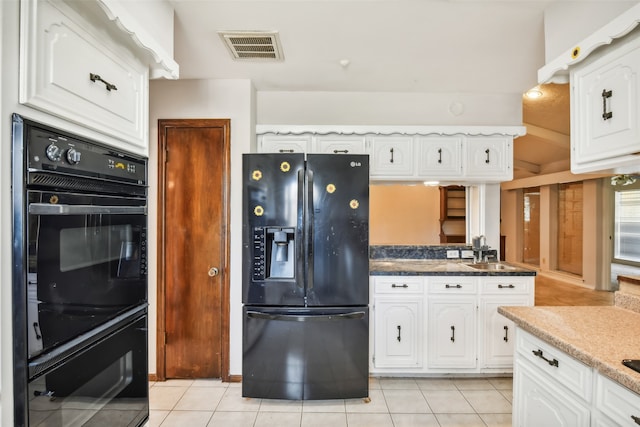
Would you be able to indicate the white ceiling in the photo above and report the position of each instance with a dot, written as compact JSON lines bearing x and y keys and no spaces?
{"x":431,"y":46}
{"x":391,"y":45}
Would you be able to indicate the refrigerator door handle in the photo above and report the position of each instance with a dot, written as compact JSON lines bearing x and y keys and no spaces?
{"x":300,"y":244}
{"x":308,"y":232}
{"x":306,"y":317}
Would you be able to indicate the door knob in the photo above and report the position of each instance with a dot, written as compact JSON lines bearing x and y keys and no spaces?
{"x":213,"y":271}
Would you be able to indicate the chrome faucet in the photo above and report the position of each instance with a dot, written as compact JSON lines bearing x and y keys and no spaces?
{"x":480,"y":249}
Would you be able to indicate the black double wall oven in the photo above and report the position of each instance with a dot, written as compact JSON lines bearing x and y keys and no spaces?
{"x":79,"y":281}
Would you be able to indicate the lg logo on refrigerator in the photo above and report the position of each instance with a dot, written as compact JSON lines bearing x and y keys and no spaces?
{"x":355,"y":164}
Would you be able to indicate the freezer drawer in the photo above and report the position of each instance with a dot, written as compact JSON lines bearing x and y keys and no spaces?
{"x":305,"y":354}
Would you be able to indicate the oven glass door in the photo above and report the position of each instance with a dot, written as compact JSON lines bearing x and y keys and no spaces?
{"x":87,"y":263}
{"x":103,"y":385}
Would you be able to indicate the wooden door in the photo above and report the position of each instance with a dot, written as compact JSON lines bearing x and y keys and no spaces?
{"x":193,"y":242}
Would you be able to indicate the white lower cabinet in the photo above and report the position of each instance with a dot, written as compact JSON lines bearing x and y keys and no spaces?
{"x":399,"y":325}
{"x":444,"y":324}
{"x":451,"y":336}
{"x":497,"y":345}
{"x":499,"y":332}
{"x":551,"y":388}
{"x":615,"y":404}
{"x":539,"y":400}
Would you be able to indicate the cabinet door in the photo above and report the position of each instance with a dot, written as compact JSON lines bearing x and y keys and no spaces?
{"x":398,"y":333}
{"x":73,"y":72}
{"x":489,"y":158}
{"x":392,"y":157}
{"x":340,"y":144}
{"x":439,"y":157}
{"x":605,"y":106}
{"x":497,"y":334}
{"x":616,"y":402}
{"x":540,"y":401}
{"x":451,"y":338}
{"x":284,"y":144}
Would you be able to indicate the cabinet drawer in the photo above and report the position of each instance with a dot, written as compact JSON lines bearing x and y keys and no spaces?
{"x":452,"y":285}
{"x":617,"y":402}
{"x":84,"y":78}
{"x":506,"y":285}
{"x":564,"y":369}
{"x":398,"y":285}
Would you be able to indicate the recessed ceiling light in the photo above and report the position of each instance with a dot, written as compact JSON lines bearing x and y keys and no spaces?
{"x":534,"y":93}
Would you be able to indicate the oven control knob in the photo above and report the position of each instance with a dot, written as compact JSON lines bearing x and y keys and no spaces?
{"x":54,"y":153}
{"x":73,"y":156}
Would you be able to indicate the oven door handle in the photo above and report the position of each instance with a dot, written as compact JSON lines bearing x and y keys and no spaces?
{"x":49,"y":209}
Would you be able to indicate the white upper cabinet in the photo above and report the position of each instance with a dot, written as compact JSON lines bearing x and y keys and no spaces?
{"x":489,"y":158}
{"x":604,"y":104}
{"x":392,"y":157}
{"x":406,"y":154}
{"x":605,"y":91}
{"x":76,"y":64}
{"x":284,"y":144}
{"x":439,"y":156}
{"x":340,"y":144}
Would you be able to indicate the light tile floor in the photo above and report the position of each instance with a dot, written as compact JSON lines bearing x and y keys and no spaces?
{"x":395,"y":402}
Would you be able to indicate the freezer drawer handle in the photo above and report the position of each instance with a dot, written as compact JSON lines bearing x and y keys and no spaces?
{"x":306,"y":318}
{"x":553,"y":362}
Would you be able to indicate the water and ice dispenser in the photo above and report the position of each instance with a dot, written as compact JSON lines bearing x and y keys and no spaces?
{"x":274,"y":253}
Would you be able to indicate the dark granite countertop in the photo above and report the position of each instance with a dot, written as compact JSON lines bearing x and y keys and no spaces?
{"x":440,"y":267}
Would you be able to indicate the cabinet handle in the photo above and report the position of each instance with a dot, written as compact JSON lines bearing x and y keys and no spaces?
{"x":453,"y":333}
{"x":404,"y":285}
{"x":635,"y":419}
{"x":108,"y":86}
{"x":391,"y":152}
{"x":340,"y":151}
{"x":506,"y":333}
{"x":282,"y":150}
{"x":439,"y":155}
{"x":606,"y":94}
{"x":458,"y":286}
{"x":399,"y":337}
{"x":553,"y":362}
{"x":501,"y":286}
{"x":487,"y":153}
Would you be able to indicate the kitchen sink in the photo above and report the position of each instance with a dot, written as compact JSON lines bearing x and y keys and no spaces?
{"x":492,"y":266}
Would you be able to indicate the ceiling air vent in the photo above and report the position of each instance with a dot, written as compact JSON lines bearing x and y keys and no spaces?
{"x":253,"y":45}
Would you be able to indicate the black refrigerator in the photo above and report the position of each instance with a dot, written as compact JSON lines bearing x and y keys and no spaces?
{"x":305,"y":284}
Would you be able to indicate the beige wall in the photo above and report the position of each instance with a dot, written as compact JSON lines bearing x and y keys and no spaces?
{"x":404,"y":215}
